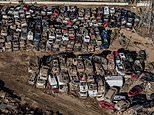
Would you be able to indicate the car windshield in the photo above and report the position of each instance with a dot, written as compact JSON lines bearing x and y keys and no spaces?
{"x":83,"y":83}
{"x":84,"y":93}
{"x":54,"y":86}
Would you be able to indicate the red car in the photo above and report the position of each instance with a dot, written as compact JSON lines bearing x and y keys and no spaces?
{"x":135,"y":90}
{"x":25,"y":7}
{"x":107,"y":105}
{"x":134,"y":77}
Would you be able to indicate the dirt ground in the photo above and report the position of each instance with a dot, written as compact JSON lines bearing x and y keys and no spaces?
{"x":13,"y":71}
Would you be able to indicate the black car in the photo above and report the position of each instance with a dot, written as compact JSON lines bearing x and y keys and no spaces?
{"x":128,"y":67}
{"x":138,"y":66}
{"x":142,"y":55}
{"x":148,"y":104}
{"x":147,"y":76}
{"x":139,"y":99}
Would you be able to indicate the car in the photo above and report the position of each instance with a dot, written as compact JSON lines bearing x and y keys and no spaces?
{"x":119,"y":66}
{"x":142,"y":55}
{"x":99,"y":70}
{"x":129,"y":57}
{"x":92,"y":87}
{"x":88,"y":66}
{"x":107,"y":105}
{"x":4,"y":31}
{"x":30,"y":35}
{"x":40,"y":83}
{"x":86,"y":38}
{"x":136,"y":90}
{"x":106,"y":10}
{"x":65,"y":37}
{"x":127,"y":67}
{"x":123,"y":21}
{"x":83,"y":87}
{"x":119,"y":97}
{"x":138,"y":66}
{"x":152,"y":96}
{"x":138,"y":99}
{"x":130,"y":23}
{"x":70,"y":45}
{"x":110,"y":94}
{"x":64,"y":77}
{"x":37,"y":37}
{"x":51,"y":39}
{"x":23,"y":36}
{"x":45,"y":25}
{"x":32,"y":79}
{"x":80,"y":65}
{"x":147,"y":77}
{"x":52,"y":80}
{"x":122,"y":105}
{"x":122,"y":56}
{"x":77,"y":46}
{"x":112,"y":10}
{"x":63,"y":65}
{"x":71,"y":34}
{"x":73,"y":75}
{"x":2,"y":47}
{"x":148,"y":104}
{"x":106,"y":20}
{"x":105,"y":38}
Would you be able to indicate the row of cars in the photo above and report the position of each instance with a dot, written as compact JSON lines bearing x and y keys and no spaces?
{"x":60,"y":28}
{"x":66,"y":72}
{"x":96,"y":75}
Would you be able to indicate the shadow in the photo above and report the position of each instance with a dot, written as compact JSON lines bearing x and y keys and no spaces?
{"x":2,"y":84}
{"x":58,"y":113}
{"x":7,"y":90}
{"x":67,"y":54}
{"x":38,"y":111}
{"x":85,"y":55}
{"x":45,"y":60}
{"x":109,"y":35}
{"x":105,"y":53}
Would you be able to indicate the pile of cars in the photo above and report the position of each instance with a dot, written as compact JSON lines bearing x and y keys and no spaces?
{"x":103,"y":76}
{"x":60,"y":28}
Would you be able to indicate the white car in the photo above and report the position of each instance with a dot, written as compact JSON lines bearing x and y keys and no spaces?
{"x":122,"y":56}
{"x":106,"y":10}
{"x":40,"y":83}
{"x":92,"y":90}
{"x":30,"y":35}
{"x":119,"y":65}
{"x":65,"y":37}
{"x":4,"y":16}
{"x":86,"y":38}
{"x":83,"y":89}
{"x":58,"y":35}
{"x":112,"y":10}
{"x":51,"y":39}
{"x":16,"y":14}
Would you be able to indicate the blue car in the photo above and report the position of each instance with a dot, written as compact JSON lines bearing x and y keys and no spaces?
{"x":37,"y":37}
{"x":105,"y":39}
{"x":85,"y":55}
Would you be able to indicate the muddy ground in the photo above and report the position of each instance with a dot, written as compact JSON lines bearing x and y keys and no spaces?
{"x":13,"y":71}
